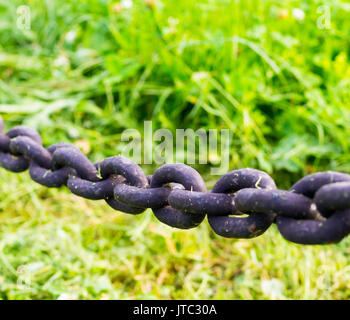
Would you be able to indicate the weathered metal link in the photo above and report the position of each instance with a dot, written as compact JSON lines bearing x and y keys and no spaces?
{"x":332,"y":230}
{"x":241,"y":228}
{"x":8,"y":159}
{"x":332,"y":185}
{"x":93,"y":190}
{"x":72,"y":157}
{"x":4,"y":143}
{"x":119,"y":206}
{"x":333,"y":197}
{"x":246,"y":227}
{"x":280,"y":202}
{"x":133,"y":176}
{"x":316,"y":209}
{"x":191,"y":180}
{"x":202,"y":203}
{"x":25,"y":146}
{"x":310,"y":184}
{"x":125,"y":167}
{"x":13,"y":164}
{"x":24,"y":131}
{"x":86,"y":182}
{"x":243,"y":178}
{"x":49,"y":177}
{"x":140,"y":197}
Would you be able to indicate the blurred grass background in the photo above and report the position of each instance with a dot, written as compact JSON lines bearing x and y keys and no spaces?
{"x":86,"y":70}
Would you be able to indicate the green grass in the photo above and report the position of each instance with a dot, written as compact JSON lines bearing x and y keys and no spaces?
{"x":87,"y":70}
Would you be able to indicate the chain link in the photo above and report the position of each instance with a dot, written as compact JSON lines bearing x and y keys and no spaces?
{"x":243,"y":203}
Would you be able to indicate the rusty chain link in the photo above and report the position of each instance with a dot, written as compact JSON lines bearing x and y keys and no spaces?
{"x":316,"y":209}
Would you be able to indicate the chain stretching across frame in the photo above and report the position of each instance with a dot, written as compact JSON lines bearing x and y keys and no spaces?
{"x":316,"y":209}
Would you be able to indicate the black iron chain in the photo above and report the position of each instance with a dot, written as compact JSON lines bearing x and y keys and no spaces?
{"x":316,"y":210}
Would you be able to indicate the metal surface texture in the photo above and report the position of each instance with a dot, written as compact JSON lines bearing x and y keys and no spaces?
{"x":243,"y":203}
